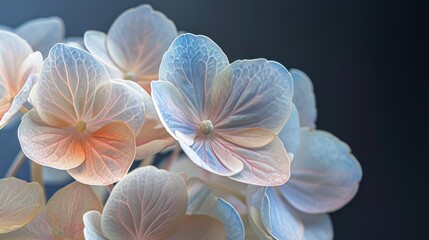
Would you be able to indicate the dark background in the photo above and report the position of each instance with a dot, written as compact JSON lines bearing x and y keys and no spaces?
{"x":366,"y":60}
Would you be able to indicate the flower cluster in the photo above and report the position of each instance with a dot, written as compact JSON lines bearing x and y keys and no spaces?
{"x":254,"y":164}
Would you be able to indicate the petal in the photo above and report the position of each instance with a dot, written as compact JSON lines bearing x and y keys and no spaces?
{"x":173,"y":110}
{"x":95,"y":42}
{"x":32,"y":64}
{"x":251,"y":94}
{"x":291,"y":134}
{"x":76,"y":42}
{"x":66,"y":207}
{"x":38,"y":228}
{"x":325,"y":175}
{"x":317,"y":226}
{"x":67,"y":83}
{"x":19,"y":100}
{"x":92,"y":222}
{"x":109,"y":153}
{"x":265,"y":166}
{"x":147,"y":204}
{"x":42,"y":33}
{"x":196,"y":227}
{"x":279,"y":217}
{"x":137,"y":40}
{"x":116,"y":101}
{"x":48,"y":146}
{"x":19,"y":203}
{"x":304,"y":98}
{"x":248,"y":137}
{"x":191,"y":63}
{"x":202,"y":201}
{"x":254,"y":197}
{"x":55,"y":177}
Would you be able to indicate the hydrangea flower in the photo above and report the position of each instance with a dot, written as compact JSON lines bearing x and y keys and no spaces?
{"x":41,"y":33}
{"x":82,"y":121}
{"x":19,"y":203}
{"x":154,"y":204}
{"x":134,"y":44}
{"x":61,"y":217}
{"x":17,"y":63}
{"x":324,"y":177}
{"x":226,"y":117}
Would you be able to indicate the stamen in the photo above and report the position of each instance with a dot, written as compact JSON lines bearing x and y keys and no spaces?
{"x":81,"y":126}
{"x":130,"y":76}
{"x":206,"y":127}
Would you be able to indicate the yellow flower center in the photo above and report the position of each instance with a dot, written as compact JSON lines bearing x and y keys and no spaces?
{"x":206,"y":127}
{"x":80,"y":126}
{"x":130,"y":76}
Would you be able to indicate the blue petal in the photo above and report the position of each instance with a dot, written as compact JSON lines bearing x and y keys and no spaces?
{"x":290,"y":134}
{"x":304,"y":98}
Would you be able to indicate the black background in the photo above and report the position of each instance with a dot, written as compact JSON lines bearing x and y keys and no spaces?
{"x":367,"y":60}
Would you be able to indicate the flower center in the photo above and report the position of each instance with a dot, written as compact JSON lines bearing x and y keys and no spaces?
{"x":80,"y":126}
{"x":130,"y":76}
{"x":206,"y":127}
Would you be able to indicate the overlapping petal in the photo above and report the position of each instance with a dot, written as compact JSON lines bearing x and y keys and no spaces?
{"x":19,"y":203}
{"x":92,"y":230}
{"x":42,"y":33}
{"x":147,"y":204}
{"x":196,"y":227}
{"x":325,"y":175}
{"x":290,"y":135}
{"x":304,"y":98}
{"x":202,"y":201}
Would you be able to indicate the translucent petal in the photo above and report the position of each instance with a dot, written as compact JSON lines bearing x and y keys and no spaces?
{"x":38,"y":228}
{"x":109,"y":153}
{"x":248,"y":137}
{"x":317,"y":226}
{"x":32,"y":64}
{"x":279,"y":217}
{"x":59,"y":148}
{"x":76,"y":42}
{"x":264,"y":166}
{"x":19,"y":100}
{"x":202,"y":201}
{"x":251,"y":94}
{"x":147,"y":204}
{"x":291,"y":133}
{"x":325,"y":175}
{"x":19,"y":203}
{"x":92,"y":222}
{"x":66,"y":89}
{"x":116,"y":101}
{"x":304,"y":98}
{"x":254,"y":219}
{"x":42,"y":33}
{"x":66,"y":207}
{"x":196,"y":227}
{"x":95,"y":42}
{"x":191,"y":63}
{"x":172,"y":108}
{"x":137,"y":40}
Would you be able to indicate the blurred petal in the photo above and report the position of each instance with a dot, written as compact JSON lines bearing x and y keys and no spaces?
{"x":325,"y":175}
{"x":76,"y":42}
{"x":196,"y":227}
{"x":147,"y":204}
{"x":54,"y":147}
{"x":19,"y":100}
{"x":66,"y":208}
{"x":191,"y":63}
{"x":202,"y":201}
{"x":291,"y":133}
{"x":42,"y":33}
{"x":279,"y":217}
{"x":92,"y":222}
{"x":173,"y":109}
{"x":66,"y":89}
{"x":19,"y":203}
{"x":95,"y":42}
{"x":264,"y":166}
{"x":109,"y":153}
{"x":54,"y":176}
{"x":251,"y":94}
{"x":138,"y":39}
{"x":6,"y":28}
{"x":304,"y":98}
{"x":317,"y":226}
{"x":116,"y":101}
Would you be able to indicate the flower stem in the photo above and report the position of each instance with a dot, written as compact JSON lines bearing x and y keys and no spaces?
{"x":147,"y":161}
{"x":36,"y":174}
{"x":16,"y":164}
{"x":23,"y":109}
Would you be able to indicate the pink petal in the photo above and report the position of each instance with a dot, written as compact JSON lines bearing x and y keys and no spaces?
{"x":196,"y":227}
{"x":38,"y":228}
{"x":19,"y":203}
{"x":137,"y":40}
{"x":147,"y":204}
{"x":66,"y":208}
{"x":109,"y":153}
{"x":59,"y":148}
